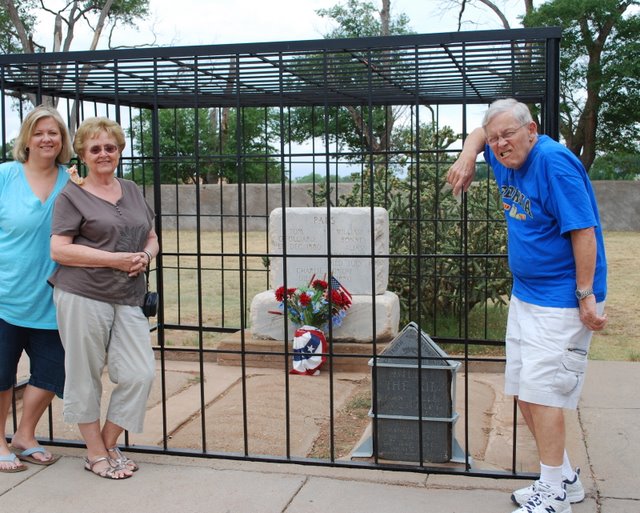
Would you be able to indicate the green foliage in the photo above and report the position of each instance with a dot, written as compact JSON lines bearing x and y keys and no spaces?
{"x":337,"y":126}
{"x":318,"y":178}
{"x":436,"y":272}
{"x":434,"y":234}
{"x":359,"y":19}
{"x":618,"y":126}
{"x":9,"y":40}
{"x":616,"y":166}
{"x":356,"y":128}
{"x":202,"y":145}
{"x":600,"y":72}
{"x":127,"y":11}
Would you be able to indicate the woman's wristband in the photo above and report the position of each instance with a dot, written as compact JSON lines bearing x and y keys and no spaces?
{"x":148,"y":253}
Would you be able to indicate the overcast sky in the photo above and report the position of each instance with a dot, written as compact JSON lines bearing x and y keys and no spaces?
{"x":195,"y":22}
{"x":186,"y":22}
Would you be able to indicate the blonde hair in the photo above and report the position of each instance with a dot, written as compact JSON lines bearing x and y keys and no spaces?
{"x":21,"y":145}
{"x":90,"y":128}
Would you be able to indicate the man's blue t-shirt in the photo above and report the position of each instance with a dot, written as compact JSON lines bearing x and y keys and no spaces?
{"x":25,"y":261}
{"x":544,"y":200}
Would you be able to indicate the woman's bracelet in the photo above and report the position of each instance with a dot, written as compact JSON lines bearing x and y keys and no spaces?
{"x":148,"y":253}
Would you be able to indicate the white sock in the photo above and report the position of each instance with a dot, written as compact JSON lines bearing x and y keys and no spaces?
{"x":552,"y":476}
{"x":568,"y":472}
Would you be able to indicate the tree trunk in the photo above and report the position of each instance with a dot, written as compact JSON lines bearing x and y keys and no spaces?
{"x":583,"y":142}
{"x":385,"y":15}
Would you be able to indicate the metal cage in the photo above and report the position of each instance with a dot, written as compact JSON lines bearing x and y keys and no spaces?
{"x":216,"y":249}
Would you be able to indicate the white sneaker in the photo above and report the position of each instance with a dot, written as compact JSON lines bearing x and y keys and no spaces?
{"x":574,"y":489}
{"x":545,"y":501}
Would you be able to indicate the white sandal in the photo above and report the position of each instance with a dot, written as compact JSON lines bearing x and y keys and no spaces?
{"x":122,"y":460}
{"x":107,"y":473}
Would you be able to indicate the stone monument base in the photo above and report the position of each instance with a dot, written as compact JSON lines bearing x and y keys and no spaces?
{"x":357,"y":326}
{"x":346,"y":357}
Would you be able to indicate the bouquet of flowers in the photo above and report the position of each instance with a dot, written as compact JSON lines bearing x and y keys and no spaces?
{"x":315,"y":304}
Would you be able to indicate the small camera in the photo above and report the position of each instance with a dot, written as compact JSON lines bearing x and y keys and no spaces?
{"x":150,"y":304}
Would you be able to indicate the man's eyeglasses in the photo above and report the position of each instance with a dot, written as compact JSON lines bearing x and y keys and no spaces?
{"x":505,"y":135}
{"x":109,"y":148}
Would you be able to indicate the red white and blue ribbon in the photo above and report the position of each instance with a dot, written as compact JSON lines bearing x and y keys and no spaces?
{"x":309,"y":350}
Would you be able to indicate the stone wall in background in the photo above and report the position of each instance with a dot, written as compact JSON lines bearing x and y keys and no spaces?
{"x":619,"y":203}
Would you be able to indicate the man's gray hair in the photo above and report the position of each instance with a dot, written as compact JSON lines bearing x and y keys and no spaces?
{"x":519,"y":110}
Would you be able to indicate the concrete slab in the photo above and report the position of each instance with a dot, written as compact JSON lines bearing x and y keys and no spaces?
{"x":618,"y":506}
{"x":184,"y":403}
{"x":179,"y":376}
{"x":321,"y":495}
{"x":66,"y":488}
{"x":614,"y":448}
{"x":589,"y":505}
{"x":346,"y":357}
{"x":9,"y":481}
{"x":266,"y":403}
{"x":603,"y":440}
{"x":357,"y":326}
{"x":609,"y":412}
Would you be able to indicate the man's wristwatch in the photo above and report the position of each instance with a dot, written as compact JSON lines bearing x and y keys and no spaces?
{"x":581,"y":294}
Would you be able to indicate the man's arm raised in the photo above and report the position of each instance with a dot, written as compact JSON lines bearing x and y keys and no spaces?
{"x":463,"y":170}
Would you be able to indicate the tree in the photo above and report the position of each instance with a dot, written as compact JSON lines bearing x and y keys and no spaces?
{"x":17,"y":18}
{"x":423,"y":221}
{"x":201,"y":145}
{"x":600,"y":74}
{"x":616,"y":166}
{"x":9,"y":37}
{"x":362,"y":19}
{"x":354,"y":126}
{"x":97,"y":14}
{"x":482,"y":5}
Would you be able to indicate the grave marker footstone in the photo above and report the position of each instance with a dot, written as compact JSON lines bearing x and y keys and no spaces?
{"x":414,"y":396}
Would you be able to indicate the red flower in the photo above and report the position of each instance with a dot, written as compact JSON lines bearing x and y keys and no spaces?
{"x":310,"y":304}
{"x":319,"y":284}
{"x":305,"y":299}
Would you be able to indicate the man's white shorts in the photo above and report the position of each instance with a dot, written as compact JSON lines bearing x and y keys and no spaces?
{"x":546,"y":354}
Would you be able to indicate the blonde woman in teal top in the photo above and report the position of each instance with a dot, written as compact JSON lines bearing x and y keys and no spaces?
{"x":28,"y":189}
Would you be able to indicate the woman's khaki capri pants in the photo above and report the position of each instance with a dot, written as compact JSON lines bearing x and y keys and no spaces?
{"x":94,"y":333}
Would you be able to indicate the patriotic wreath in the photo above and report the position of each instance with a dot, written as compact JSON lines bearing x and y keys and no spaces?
{"x":310,"y":309}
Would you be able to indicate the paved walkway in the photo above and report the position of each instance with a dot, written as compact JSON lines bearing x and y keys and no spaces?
{"x":605,"y":429}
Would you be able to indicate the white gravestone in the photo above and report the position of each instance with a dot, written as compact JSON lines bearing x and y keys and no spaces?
{"x":354,"y":244}
{"x":349,"y":240}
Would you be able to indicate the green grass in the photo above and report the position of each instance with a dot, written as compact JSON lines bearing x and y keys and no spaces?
{"x":217,"y":288}
{"x":620,"y":340}
{"x":214,"y":289}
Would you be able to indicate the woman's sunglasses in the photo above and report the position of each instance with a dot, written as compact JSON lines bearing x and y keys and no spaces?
{"x":109,"y":148}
